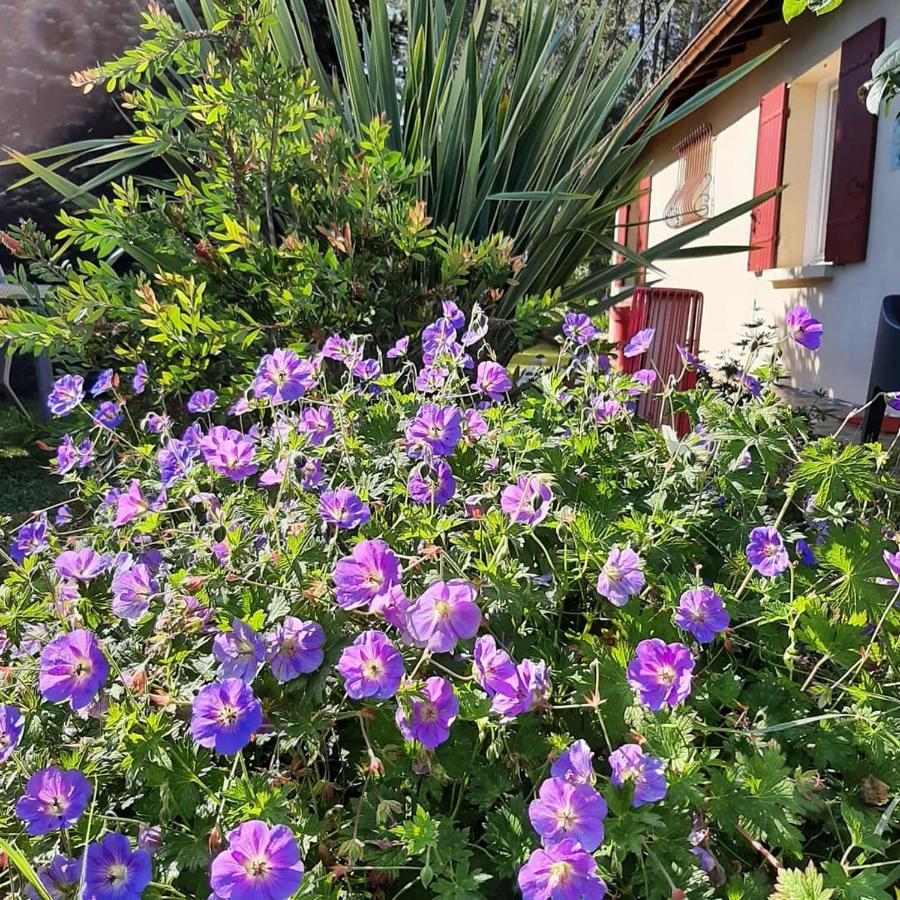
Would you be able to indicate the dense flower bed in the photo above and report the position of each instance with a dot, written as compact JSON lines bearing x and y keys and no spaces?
{"x":404,"y":628}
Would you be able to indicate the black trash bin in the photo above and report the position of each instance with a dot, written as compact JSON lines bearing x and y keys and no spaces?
{"x":885,"y":375}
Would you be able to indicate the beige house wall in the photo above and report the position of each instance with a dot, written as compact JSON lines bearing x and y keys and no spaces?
{"x":849,"y":301}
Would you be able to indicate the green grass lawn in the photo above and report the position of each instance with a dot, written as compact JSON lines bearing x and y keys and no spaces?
{"x":25,"y":482}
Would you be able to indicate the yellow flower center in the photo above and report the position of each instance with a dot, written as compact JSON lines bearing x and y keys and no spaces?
{"x":560,"y":872}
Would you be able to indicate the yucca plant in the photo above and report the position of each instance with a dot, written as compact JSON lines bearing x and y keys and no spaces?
{"x":529,"y":139}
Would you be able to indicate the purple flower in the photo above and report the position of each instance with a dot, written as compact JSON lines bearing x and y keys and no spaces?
{"x":805,"y":553}
{"x":640,"y":343}
{"x":113,"y":871}
{"x":478,"y":327}
{"x":527,"y":501}
{"x":53,"y":799}
{"x":452,"y":312}
{"x":370,"y":570}
{"x":139,"y":381}
{"x":318,"y":423}
{"x":803,"y":328}
{"x":225,"y":716}
{"x":435,"y":430}
{"x":444,"y":614}
{"x":645,"y":378}
{"x":30,"y":539}
{"x":12,"y":724}
{"x":392,"y":606}
{"x":229,"y":452}
{"x":704,"y":858}
{"x":702,"y":613}
{"x":59,"y":879}
{"x":240,"y":652}
{"x":892,"y":560}
{"x":367,"y":369}
{"x":295,"y":648}
{"x":566,"y":811}
{"x":494,"y":669}
{"x":431,"y":379}
{"x":311,"y":475}
{"x":108,"y":415}
{"x":430,"y":715}
{"x":492,"y":380}
{"x":63,"y":515}
{"x":132,"y":589}
{"x":750,"y":384}
{"x":579,"y":328}
{"x":691,"y":361}
{"x":530,"y":688}
{"x":66,"y":455}
{"x":261,"y":863}
{"x":66,"y":393}
{"x":175,"y":461}
{"x":563,"y":872}
{"x":371,"y":667}
{"x":73,"y":668}
{"x":343,"y":509}
{"x":282,"y":377}
{"x":399,"y":349}
{"x":103,"y":383}
{"x":432,"y":483}
{"x":622,"y":576}
{"x":473,"y":426}
{"x":81,"y":565}
{"x":150,"y":838}
{"x":766,"y":552}
{"x":575,"y":765}
{"x":202,"y":401}
{"x":630,"y":763}
{"x":605,"y":410}
{"x":130,"y":505}
{"x":660,"y":673}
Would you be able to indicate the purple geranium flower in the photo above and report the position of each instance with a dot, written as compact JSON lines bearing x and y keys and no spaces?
{"x":261,"y":863}
{"x":399,"y":349}
{"x":371,"y":667}
{"x":892,"y":560}
{"x":766,"y":552}
{"x":81,"y":565}
{"x":430,"y":715}
{"x":343,"y":509}
{"x":53,"y":799}
{"x":702,"y":613}
{"x":73,"y":668}
{"x":392,"y":606}
{"x":282,"y":377}
{"x":660,"y":673}
{"x":295,"y":648}
{"x":750,"y":384}
{"x":225,"y":716}
{"x":473,"y":426}
{"x":630,"y":763}
{"x":12,"y":724}
{"x":66,"y":455}
{"x":605,"y":410}
{"x":130,"y":505}
{"x":202,"y":401}
{"x":575,"y":765}
{"x":529,"y":689}
{"x":139,"y":381}
{"x":317,"y":423}
{"x":431,"y":379}
{"x":803,"y":328}
{"x":435,"y":431}
{"x":622,"y":576}
{"x":132,"y":589}
{"x":804,"y":551}
{"x":59,"y":879}
{"x":103,"y":383}
{"x":494,"y":669}
{"x":175,"y":461}
{"x":63,"y":515}
{"x":640,"y":343}
{"x":579,"y":328}
{"x":240,"y":652}
{"x":566,"y":811}
{"x":432,"y":483}
{"x":30,"y":539}
{"x":444,"y":614}
{"x":113,"y":871}
{"x":493,"y":380}
{"x":66,"y":393}
{"x":311,"y":474}
{"x":691,"y":361}
{"x":371,"y":569}
{"x":229,"y":452}
{"x":527,"y":501}
{"x":563,"y":872}
{"x":452,"y":312}
{"x":108,"y":415}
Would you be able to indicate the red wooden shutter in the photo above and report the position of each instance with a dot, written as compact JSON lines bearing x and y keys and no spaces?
{"x":764,"y":220}
{"x":642,"y":240}
{"x":853,"y":161}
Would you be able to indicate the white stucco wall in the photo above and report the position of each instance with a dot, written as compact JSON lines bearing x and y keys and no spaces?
{"x":848,"y":305}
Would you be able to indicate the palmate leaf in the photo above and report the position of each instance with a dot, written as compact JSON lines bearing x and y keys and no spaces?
{"x":801,"y":884}
{"x":831,"y":471}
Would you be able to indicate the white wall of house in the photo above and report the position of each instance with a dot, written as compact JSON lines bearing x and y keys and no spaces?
{"x":849,"y":298}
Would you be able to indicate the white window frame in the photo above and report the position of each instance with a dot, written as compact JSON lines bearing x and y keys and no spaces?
{"x":820,"y":173}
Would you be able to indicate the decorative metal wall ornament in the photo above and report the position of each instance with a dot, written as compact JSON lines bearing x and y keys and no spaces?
{"x":691,"y":201}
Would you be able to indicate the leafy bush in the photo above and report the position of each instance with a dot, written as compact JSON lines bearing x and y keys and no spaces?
{"x":377,"y":624}
{"x":280,"y":228}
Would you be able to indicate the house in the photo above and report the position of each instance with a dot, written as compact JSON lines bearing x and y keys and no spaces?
{"x":831,"y":240}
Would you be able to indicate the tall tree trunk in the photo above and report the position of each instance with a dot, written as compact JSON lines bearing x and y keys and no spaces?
{"x":694,"y":26}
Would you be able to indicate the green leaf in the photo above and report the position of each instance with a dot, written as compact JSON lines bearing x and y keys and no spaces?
{"x":801,"y":884}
